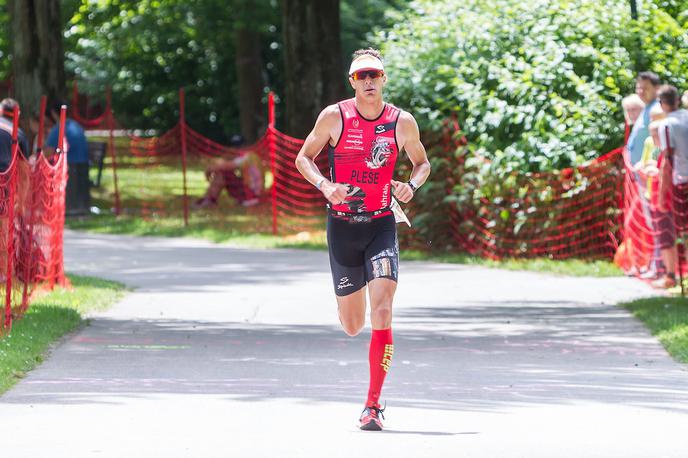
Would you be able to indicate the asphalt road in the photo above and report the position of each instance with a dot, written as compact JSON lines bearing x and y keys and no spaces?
{"x":231,"y":352}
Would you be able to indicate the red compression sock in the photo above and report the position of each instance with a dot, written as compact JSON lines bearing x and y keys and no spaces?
{"x":380,"y":358}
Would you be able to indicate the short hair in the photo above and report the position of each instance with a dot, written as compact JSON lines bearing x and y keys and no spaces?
{"x":369,"y":51}
{"x":8,"y":105}
{"x":52,"y":109}
{"x":629,"y":101}
{"x":668,"y":94}
{"x":632,"y":100}
{"x":651,"y":77}
{"x":56,"y":105}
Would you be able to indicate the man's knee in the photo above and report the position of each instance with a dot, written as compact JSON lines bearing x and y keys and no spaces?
{"x":382,"y":315}
{"x":351,"y":328}
{"x":352,"y":324}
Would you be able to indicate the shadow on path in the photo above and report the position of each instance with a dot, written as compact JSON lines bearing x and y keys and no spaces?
{"x":476,"y":358}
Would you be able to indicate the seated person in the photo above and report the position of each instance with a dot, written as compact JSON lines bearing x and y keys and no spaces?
{"x":242,"y":177}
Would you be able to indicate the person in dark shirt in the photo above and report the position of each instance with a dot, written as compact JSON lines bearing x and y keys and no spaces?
{"x":7,"y":108}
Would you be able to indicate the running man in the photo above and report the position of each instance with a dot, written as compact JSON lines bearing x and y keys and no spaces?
{"x":365,"y":136}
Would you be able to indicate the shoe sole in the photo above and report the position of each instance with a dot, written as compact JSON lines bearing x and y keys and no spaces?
{"x":371,"y":426}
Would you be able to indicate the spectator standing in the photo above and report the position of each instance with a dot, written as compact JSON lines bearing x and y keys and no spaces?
{"x":633,"y":106}
{"x":646,"y":87}
{"x":673,"y":173}
{"x":78,"y":194}
{"x":647,"y":84}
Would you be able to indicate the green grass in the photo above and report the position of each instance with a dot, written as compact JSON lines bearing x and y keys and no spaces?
{"x":49,"y":317}
{"x":572,"y":267}
{"x":667,"y":318}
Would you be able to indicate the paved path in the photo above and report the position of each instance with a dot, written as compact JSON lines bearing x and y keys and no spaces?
{"x":227,"y":352}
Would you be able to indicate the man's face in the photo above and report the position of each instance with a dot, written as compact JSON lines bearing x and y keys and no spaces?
{"x":645,"y":90}
{"x":368,"y":83}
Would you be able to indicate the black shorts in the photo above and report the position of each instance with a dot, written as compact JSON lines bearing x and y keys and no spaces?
{"x":361,"y":252}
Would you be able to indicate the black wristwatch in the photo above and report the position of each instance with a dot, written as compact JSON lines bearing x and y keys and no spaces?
{"x":412,"y":185}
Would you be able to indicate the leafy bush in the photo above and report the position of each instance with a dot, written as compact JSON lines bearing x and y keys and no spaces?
{"x":536,"y":86}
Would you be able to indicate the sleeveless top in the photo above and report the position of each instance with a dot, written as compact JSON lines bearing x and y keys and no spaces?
{"x":364,"y":158}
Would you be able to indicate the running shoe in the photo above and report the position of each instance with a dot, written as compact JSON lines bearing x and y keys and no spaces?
{"x":370,"y":418}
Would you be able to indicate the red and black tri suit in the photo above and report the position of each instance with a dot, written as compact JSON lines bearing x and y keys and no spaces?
{"x":361,"y":231}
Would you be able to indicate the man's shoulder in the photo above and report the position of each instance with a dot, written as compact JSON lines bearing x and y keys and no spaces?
{"x":406,"y":119}
{"x":330,"y":114}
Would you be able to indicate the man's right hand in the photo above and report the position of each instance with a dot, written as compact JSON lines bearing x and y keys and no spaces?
{"x":335,"y":193}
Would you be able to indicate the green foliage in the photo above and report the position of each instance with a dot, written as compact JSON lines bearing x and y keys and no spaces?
{"x":5,"y":52}
{"x":359,"y":19}
{"x":147,"y":49}
{"x":536,"y":87}
{"x":663,"y":34}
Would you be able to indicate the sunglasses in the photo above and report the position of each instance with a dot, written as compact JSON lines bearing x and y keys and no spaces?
{"x":363,"y":74}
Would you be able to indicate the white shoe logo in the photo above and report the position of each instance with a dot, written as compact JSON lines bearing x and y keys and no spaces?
{"x":344,"y":283}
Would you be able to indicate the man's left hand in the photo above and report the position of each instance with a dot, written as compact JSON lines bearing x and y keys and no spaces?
{"x":402,"y":191}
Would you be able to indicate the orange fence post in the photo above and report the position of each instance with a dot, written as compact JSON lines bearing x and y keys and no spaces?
{"x":10,"y":219}
{"x":56,"y":269}
{"x":272,"y":149}
{"x":113,"y":153}
{"x":182,"y":126}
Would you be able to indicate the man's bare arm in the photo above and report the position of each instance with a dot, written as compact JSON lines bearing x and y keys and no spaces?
{"x":409,"y":136}
{"x":328,"y":122}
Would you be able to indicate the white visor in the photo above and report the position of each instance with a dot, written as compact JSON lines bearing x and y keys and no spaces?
{"x":365,"y":62}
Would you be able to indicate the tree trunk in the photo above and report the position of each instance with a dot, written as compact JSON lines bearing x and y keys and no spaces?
{"x":313,"y":61}
{"x":37,"y":52}
{"x":249,"y":65}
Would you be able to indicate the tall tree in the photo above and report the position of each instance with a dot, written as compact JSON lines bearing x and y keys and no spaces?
{"x":38,"y":56}
{"x":249,"y":66}
{"x":313,"y":61}
{"x":249,"y":69}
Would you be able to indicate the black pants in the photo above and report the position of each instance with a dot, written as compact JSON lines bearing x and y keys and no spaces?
{"x":78,"y":194}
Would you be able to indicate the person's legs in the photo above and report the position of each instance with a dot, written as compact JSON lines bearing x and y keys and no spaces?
{"x":666,"y":242}
{"x":382,"y":261}
{"x":215,"y":187}
{"x":381,"y":341}
{"x":217,"y":183}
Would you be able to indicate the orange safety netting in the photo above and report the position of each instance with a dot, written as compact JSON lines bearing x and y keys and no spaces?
{"x":656,"y":218}
{"x":32,"y":207}
{"x":573,"y":213}
{"x":285,"y":202}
